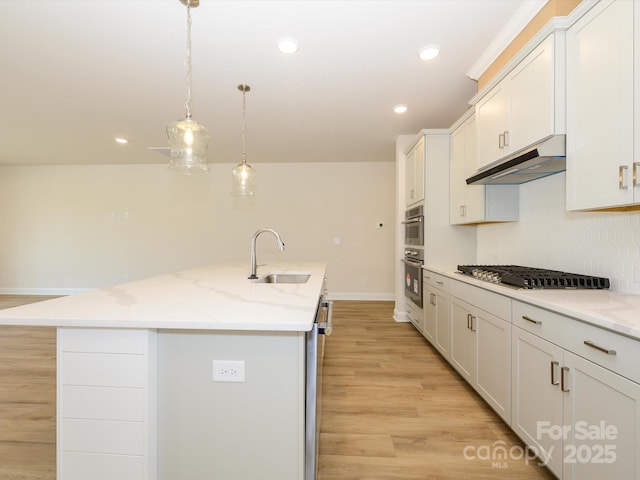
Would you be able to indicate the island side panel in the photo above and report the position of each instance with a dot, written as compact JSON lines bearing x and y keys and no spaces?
{"x":235,"y":431}
{"x":106,"y":415}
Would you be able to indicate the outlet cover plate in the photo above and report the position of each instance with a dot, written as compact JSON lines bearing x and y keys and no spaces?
{"x":228,"y":370}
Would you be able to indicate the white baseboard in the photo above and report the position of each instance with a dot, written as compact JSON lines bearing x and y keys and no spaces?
{"x":400,"y":316}
{"x":43,"y":291}
{"x":374,"y":297}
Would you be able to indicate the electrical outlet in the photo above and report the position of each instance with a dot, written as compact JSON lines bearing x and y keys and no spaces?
{"x":228,"y":370}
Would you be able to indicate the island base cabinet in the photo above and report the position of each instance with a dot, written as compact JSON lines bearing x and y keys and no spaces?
{"x":581,"y":419}
{"x":106,"y":394}
{"x":231,"y":430}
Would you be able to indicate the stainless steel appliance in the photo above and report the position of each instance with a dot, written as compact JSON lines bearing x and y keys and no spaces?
{"x":413,"y":260}
{"x":414,"y":226}
{"x":322,"y":327}
{"x":530,"y":278}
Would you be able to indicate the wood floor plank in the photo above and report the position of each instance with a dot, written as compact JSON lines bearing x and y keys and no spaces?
{"x":27,"y":398}
{"x":382,"y":380}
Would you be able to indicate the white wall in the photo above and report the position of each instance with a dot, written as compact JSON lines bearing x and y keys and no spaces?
{"x":74,"y":227}
{"x":593,"y":243}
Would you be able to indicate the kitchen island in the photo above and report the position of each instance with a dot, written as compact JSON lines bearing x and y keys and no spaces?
{"x":135,"y":388}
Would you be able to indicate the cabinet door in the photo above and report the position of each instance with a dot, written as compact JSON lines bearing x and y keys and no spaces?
{"x":491,"y":123}
{"x":443,"y":326}
{"x":419,"y":170}
{"x":600,"y":84}
{"x":463,"y":341}
{"x":531,"y":90}
{"x":536,"y":396}
{"x":602,"y":410}
{"x":474,"y":194}
{"x":410,"y":178}
{"x":430,"y":313}
{"x":494,"y":362}
{"x":457,"y":202}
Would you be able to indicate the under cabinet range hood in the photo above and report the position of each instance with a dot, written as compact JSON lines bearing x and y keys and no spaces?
{"x":536,"y":161}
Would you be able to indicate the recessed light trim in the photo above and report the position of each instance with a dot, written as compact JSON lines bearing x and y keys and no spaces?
{"x":402,"y":108}
{"x":288,"y":45}
{"x":429,"y":52}
{"x":122,"y":140}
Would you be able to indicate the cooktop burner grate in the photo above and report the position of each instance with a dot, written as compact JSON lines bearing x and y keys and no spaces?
{"x":527,"y":277}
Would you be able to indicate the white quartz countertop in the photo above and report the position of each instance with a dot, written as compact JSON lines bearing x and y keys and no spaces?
{"x":614,"y":311}
{"x":217,"y":297}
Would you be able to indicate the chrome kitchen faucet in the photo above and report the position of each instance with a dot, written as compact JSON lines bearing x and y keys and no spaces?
{"x":254,"y":262}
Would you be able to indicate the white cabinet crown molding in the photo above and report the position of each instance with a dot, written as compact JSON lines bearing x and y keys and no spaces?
{"x":508,"y":33}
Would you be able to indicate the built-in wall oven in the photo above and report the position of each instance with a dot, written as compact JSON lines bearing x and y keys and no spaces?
{"x":414,"y":227}
{"x":413,"y":260}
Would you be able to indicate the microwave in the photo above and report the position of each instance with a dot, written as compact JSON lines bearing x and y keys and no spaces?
{"x":414,"y":227}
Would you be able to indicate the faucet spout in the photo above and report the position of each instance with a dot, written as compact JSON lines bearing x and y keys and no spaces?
{"x":254,"y":262}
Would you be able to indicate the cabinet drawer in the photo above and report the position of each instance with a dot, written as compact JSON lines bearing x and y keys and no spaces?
{"x":496,"y":304}
{"x":415,"y":315}
{"x":571,"y":334}
{"x":436,"y":280}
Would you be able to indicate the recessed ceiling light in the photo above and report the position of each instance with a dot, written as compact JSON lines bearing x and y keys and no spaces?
{"x":288,"y":45}
{"x":400,"y":108}
{"x":122,"y":140}
{"x":429,"y":52}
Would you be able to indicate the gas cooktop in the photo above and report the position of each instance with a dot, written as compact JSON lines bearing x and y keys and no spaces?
{"x":527,"y":277}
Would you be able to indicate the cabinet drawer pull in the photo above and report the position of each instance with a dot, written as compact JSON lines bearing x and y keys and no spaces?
{"x":505,"y":137}
{"x":473,"y":318}
{"x":554,"y":380}
{"x":463,"y":210}
{"x":432,"y":298}
{"x":501,"y":140}
{"x":468,"y":321}
{"x":589,"y":343}
{"x":528,"y":319}
{"x":622,"y":185}
{"x":439,"y":282}
{"x":563,"y":382}
{"x":635,"y":174}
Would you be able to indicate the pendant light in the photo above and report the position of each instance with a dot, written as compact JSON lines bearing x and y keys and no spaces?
{"x":243,"y":176}
{"x":187,"y":138}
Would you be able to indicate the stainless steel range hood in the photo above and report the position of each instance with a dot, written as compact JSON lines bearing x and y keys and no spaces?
{"x":536,"y":161}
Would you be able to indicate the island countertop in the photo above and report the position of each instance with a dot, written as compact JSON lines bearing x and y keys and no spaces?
{"x":216,"y":297}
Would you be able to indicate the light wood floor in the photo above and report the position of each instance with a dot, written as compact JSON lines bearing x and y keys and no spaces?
{"x":27,"y":398}
{"x":393,"y":409}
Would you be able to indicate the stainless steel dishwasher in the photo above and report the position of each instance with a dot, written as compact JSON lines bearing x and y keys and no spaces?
{"x":322,"y":327}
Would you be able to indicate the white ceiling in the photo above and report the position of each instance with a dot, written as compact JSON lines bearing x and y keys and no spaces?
{"x":77,"y":73}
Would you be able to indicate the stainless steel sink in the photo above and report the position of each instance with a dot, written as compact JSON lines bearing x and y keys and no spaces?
{"x":284,"y":278}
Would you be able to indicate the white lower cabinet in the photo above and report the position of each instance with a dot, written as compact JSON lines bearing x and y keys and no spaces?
{"x":436,"y":312}
{"x":481,"y":344}
{"x":582,"y":419}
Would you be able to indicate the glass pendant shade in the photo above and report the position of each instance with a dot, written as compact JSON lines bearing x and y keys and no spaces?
{"x":244,"y":180}
{"x":189,"y":143}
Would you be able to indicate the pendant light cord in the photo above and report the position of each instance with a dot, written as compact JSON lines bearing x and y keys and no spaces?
{"x":187,"y":63}
{"x":244,"y":124}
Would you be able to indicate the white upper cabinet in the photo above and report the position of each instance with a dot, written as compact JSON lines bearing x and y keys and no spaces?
{"x":525,"y":106}
{"x":476,"y":203}
{"x":603,"y":104}
{"x":414,"y":177}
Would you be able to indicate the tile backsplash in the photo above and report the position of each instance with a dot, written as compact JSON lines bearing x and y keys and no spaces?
{"x":605,"y":244}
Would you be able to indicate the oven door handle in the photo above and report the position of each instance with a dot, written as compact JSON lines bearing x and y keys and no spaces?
{"x":412,"y":220}
{"x":412,"y":263}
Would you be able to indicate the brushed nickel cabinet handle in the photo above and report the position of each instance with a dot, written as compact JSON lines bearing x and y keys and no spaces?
{"x":622,"y":176}
{"x":501,"y":141}
{"x":554,"y":380}
{"x":432,"y":298}
{"x":468,"y":321}
{"x":608,"y":351}
{"x":505,"y":136}
{"x":635,"y":174}
{"x":439,"y":282}
{"x":463,"y":210}
{"x":563,"y":382}
{"x":529,"y":319}
{"x":473,"y":318}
